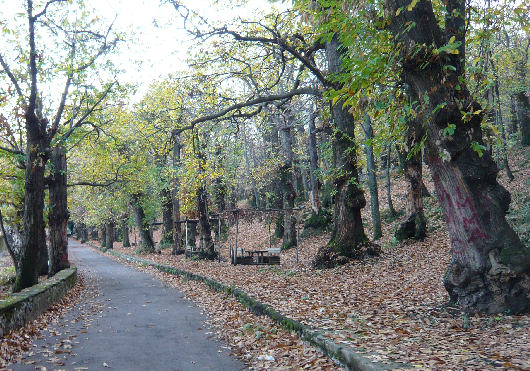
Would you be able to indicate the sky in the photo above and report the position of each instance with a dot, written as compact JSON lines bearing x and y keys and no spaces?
{"x":159,"y":44}
{"x":156,"y":43}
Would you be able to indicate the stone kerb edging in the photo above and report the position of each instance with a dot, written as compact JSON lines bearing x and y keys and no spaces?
{"x":344,"y":355}
{"x":22,"y":307}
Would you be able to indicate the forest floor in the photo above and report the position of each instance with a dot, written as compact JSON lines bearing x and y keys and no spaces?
{"x":392,"y":307}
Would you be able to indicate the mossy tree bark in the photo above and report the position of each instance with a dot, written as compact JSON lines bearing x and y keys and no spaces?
{"x":58,"y":214}
{"x":415,"y":224}
{"x":146,"y":242}
{"x":490,"y":269}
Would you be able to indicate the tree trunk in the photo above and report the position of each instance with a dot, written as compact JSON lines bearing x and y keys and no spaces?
{"x":523,"y":116}
{"x":372,"y":180}
{"x":103,"y":240}
{"x":415,"y":223}
{"x":146,"y":242}
{"x":177,"y":235}
{"x":109,"y":233}
{"x":58,"y":214}
{"x":287,"y":179}
{"x":490,"y":266}
{"x":33,"y":237}
{"x":313,"y":162}
{"x":125,"y":231}
{"x":348,"y":233}
{"x":513,"y":113}
{"x":167,"y":217}
{"x":391,"y":209}
{"x":205,"y":238}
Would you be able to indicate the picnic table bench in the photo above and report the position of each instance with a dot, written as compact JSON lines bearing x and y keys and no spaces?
{"x":257,"y":257}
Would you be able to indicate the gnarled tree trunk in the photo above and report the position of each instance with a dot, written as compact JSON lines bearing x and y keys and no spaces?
{"x":415,"y":224}
{"x":490,"y":269}
{"x":58,"y":214}
{"x":146,"y":242}
{"x":348,"y":236}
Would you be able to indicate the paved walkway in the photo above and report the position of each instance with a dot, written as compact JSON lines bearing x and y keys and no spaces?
{"x":137,"y":323}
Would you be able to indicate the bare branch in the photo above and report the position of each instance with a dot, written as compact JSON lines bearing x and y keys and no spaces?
{"x":11,"y":77}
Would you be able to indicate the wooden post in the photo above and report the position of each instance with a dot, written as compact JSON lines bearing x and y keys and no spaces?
{"x":297,"y":235}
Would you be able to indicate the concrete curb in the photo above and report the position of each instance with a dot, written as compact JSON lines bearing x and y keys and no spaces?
{"x":22,"y":307}
{"x":344,"y":355}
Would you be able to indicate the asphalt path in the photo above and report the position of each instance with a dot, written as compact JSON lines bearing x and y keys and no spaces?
{"x":135,"y":322}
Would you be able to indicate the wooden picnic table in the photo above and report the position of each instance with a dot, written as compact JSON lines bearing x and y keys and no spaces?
{"x":258,"y":254}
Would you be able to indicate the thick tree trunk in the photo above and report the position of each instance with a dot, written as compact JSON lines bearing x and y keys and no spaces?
{"x":110,"y":234}
{"x":103,"y":239}
{"x":287,"y":180}
{"x":490,"y":269}
{"x":58,"y":214}
{"x":205,"y":238}
{"x":348,"y":236}
{"x":372,"y":180}
{"x":415,"y":223}
{"x":146,"y":242}
{"x":33,"y":237}
{"x":313,"y":162}
{"x":125,"y":231}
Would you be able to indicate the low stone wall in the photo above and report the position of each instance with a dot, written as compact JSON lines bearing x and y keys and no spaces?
{"x":342,"y":354}
{"x":20,"y":308}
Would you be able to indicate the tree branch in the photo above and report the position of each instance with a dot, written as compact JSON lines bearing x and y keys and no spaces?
{"x":11,"y":77}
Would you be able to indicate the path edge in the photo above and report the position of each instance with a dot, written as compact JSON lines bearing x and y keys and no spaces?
{"x":17,"y":309}
{"x":342,"y":354}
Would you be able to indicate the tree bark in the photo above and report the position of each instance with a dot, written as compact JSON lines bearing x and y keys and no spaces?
{"x":167,"y":217}
{"x":125,"y":231}
{"x":313,"y":162}
{"x":110,"y":234}
{"x":415,"y":223}
{"x":205,"y":238}
{"x":490,"y":266}
{"x":372,"y":180}
{"x":103,"y":239}
{"x":523,"y":116}
{"x":391,"y":209}
{"x":33,"y":236}
{"x":146,"y":242}
{"x":348,"y":235}
{"x":287,"y":179}
{"x":177,"y":234}
{"x":58,"y":214}
{"x":513,"y":113}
